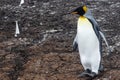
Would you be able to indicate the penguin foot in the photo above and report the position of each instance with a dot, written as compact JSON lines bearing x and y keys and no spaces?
{"x":85,"y":73}
{"x":92,"y":75}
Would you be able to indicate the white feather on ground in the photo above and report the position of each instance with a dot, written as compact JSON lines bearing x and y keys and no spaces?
{"x":21,"y":2}
{"x":17,"y":31}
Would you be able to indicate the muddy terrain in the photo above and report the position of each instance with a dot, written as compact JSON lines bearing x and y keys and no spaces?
{"x":43,"y":50}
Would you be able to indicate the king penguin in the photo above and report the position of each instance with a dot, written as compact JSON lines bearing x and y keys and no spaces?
{"x":88,"y":40}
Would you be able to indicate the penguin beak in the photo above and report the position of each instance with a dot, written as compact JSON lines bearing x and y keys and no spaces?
{"x":74,"y":12}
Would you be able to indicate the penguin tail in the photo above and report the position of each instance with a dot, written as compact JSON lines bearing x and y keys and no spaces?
{"x":75,"y":44}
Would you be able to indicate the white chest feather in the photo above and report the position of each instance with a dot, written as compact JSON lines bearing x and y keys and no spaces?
{"x":86,"y":37}
{"x":88,"y":45}
{"x":84,"y":27}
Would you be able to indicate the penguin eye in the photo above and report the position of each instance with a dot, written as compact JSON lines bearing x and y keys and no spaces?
{"x":85,"y":8}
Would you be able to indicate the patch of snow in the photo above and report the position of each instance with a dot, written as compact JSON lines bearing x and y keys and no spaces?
{"x":21,"y":2}
{"x":41,"y":23}
{"x":33,"y":6}
{"x":53,"y":12}
{"x":115,"y":5}
{"x":113,"y":13}
{"x":98,"y":20}
{"x":51,"y":31}
{"x":108,"y":30}
{"x":46,"y":5}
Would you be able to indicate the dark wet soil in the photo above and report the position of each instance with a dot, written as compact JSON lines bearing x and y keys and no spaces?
{"x":43,"y":50}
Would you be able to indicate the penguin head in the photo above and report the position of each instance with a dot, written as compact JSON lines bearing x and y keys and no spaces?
{"x":80,"y":10}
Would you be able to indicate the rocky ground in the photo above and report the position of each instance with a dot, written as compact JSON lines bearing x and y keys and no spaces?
{"x":43,"y":50}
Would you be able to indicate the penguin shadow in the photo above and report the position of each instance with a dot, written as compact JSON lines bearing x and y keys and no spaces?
{"x":85,"y":78}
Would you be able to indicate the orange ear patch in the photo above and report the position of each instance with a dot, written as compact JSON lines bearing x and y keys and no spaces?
{"x":85,"y":8}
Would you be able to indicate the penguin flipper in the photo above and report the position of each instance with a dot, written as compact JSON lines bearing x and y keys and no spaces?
{"x":97,"y":29}
{"x":75,"y":45}
{"x":104,"y":38}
